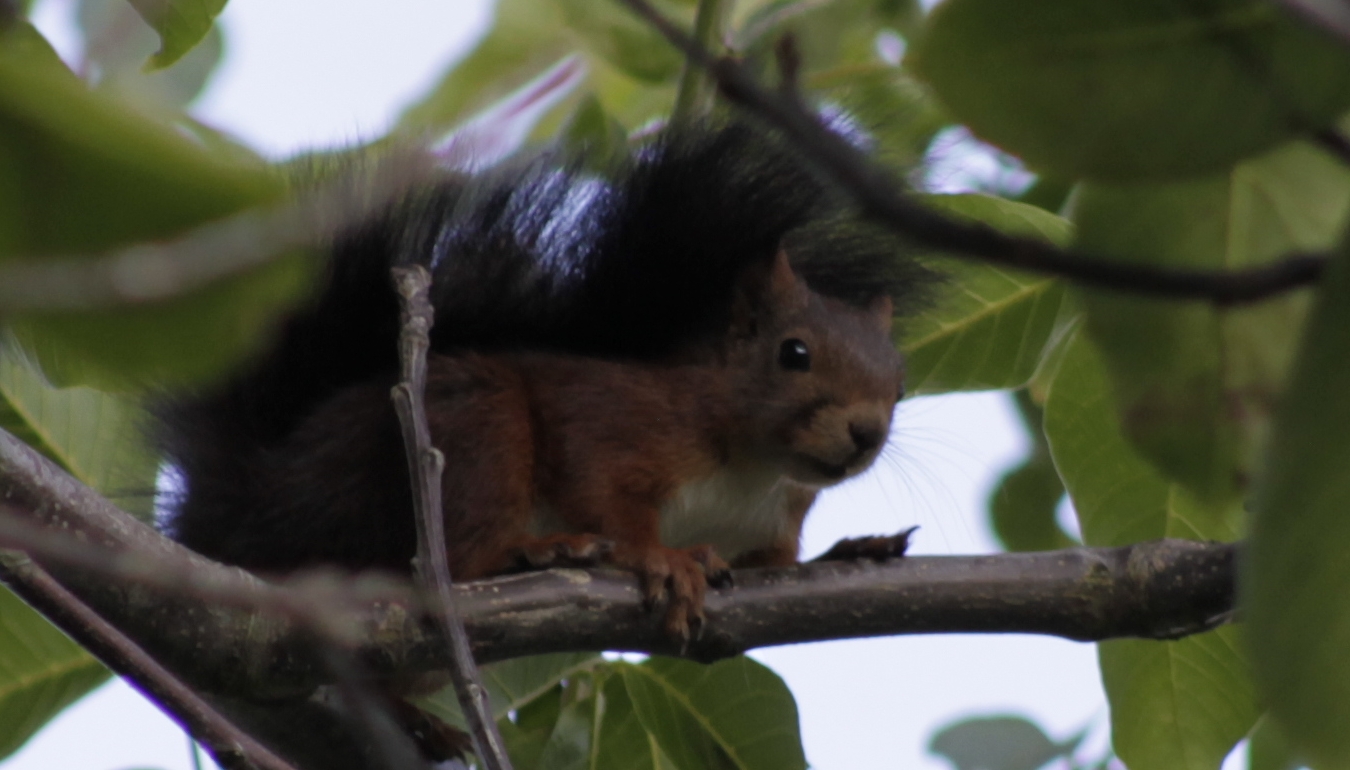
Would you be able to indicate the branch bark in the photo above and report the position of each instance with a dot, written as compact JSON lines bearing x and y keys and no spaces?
{"x":251,"y":646}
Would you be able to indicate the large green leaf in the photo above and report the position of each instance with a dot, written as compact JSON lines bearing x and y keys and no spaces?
{"x":1023,"y":506}
{"x":732,"y":714}
{"x":512,"y":684}
{"x":1196,"y":384}
{"x":1128,"y":89}
{"x":80,"y":174}
{"x":989,"y":326}
{"x":95,"y":436}
{"x":1181,"y":704}
{"x":615,"y":34}
{"x":1296,"y":577}
{"x":41,"y":672}
{"x":181,"y":24}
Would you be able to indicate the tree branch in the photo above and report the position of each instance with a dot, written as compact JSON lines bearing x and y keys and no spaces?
{"x":425,"y":465}
{"x":232,"y":748}
{"x":880,"y":198}
{"x":1157,"y":590}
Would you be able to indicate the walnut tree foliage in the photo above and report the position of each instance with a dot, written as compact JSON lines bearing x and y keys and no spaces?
{"x":1174,"y":133}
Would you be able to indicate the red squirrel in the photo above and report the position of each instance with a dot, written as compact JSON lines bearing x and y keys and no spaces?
{"x":656,"y":369}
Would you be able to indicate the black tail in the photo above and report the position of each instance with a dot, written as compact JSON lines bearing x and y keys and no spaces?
{"x":544,"y":255}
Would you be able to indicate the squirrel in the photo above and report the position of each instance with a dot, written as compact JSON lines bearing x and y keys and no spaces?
{"x":656,"y":368}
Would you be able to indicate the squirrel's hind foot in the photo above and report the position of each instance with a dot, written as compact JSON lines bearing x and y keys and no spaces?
{"x":875,"y":547}
{"x":564,"y":551}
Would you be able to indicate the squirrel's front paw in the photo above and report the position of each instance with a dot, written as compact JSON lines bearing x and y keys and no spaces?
{"x":681,"y":577}
{"x":876,"y":547}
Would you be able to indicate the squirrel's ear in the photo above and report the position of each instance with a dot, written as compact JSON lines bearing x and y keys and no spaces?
{"x":882,"y":311}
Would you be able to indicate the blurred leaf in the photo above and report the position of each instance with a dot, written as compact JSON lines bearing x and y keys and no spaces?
{"x":1196,"y":384}
{"x":826,"y":34}
{"x":732,"y":714}
{"x":513,"y":684}
{"x":595,"y":137}
{"x":614,"y":33}
{"x":117,"y":44}
{"x":1181,"y":704}
{"x":996,"y":743}
{"x":1268,"y":749}
{"x":181,"y":24}
{"x":41,"y":672}
{"x":80,"y":174}
{"x":95,"y":436}
{"x":989,"y":326}
{"x":569,"y":743}
{"x":1023,"y":506}
{"x":1131,"y":89}
{"x":894,"y":110}
{"x":527,"y":36}
{"x":1296,"y":575}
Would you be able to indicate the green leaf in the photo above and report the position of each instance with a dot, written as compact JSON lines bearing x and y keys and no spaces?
{"x":622,"y":742}
{"x":1268,"y":749}
{"x":989,"y":327}
{"x":513,"y":684}
{"x":569,"y":746}
{"x":118,"y":43}
{"x":898,"y":113}
{"x":612,"y":32}
{"x":79,"y":175}
{"x":181,"y":24}
{"x":95,"y":436}
{"x":1296,"y":576}
{"x":1196,"y":384}
{"x":1024,"y":504}
{"x":527,"y":37}
{"x":732,"y":714}
{"x":996,"y":743}
{"x":1181,"y":704}
{"x":1130,"y":89}
{"x":41,"y":672}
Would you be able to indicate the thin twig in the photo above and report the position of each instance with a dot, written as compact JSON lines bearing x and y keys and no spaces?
{"x":231,"y":747}
{"x":425,"y":464}
{"x":880,"y":197}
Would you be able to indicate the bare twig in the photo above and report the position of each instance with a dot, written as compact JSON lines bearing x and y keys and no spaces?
{"x":880,"y":197}
{"x":425,"y":465}
{"x":231,"y":747}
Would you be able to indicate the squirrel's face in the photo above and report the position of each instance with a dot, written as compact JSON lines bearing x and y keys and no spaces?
{"x":819,"y":377}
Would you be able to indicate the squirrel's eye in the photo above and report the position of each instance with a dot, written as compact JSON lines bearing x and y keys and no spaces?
{"x":793,"y":354}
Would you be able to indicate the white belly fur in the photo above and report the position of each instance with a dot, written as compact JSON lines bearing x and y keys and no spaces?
{"x":736,"y":511}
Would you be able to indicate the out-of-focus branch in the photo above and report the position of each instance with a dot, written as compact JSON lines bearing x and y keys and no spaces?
{"x":881,"y":197}
{"x":232,"y":748}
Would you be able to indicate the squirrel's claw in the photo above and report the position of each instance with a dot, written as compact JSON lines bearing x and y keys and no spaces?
{"x":875,"y":547}
{"x":680,"y":577}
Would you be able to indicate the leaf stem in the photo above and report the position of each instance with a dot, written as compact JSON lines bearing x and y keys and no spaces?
{"x":696,"y":85}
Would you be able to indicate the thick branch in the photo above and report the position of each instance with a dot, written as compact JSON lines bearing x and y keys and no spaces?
{"x":881,"y":198}
{"x":1157,"y":590}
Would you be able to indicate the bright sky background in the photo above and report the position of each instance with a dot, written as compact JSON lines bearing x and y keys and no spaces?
{"x":320,"y":73}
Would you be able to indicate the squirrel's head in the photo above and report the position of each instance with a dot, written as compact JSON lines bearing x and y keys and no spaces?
{"x":819,"y":377}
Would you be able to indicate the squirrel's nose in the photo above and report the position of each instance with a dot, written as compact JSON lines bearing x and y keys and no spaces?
{"x":866,"y":436}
